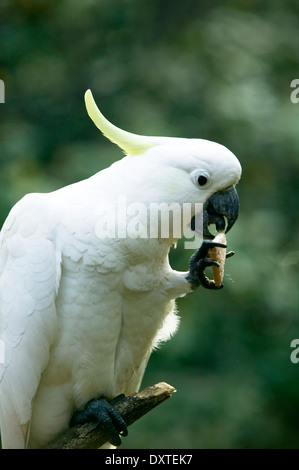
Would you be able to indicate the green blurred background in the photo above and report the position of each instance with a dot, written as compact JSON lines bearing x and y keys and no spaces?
{"x":219,"y":70}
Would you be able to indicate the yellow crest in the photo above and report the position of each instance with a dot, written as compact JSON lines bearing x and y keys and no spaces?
{"x":131,"y":144}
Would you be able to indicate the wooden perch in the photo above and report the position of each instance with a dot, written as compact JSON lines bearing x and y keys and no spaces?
{"x":130,"y":407}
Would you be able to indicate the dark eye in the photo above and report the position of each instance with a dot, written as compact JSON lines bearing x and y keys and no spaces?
{"x":202,"y":180}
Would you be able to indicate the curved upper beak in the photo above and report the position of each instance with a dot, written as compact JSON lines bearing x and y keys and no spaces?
{"x":221,"y":209}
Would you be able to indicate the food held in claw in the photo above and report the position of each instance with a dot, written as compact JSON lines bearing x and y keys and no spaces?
{"x":218,"y":254}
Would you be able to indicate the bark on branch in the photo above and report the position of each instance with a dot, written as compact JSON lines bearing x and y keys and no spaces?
{"x":130,"y":407}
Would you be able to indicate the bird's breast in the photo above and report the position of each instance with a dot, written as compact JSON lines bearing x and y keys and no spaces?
{"x":107,"y":323}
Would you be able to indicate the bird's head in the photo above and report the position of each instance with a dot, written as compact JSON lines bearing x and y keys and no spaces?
{"x":177,"y":169}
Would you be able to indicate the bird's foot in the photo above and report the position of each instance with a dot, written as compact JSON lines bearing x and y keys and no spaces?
{"x":107,"y":418}
{"x":199,"y":262}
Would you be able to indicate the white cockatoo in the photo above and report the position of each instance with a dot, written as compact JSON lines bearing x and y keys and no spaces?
{"x":81,"y":305}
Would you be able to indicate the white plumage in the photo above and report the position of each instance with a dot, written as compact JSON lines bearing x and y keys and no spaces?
{"x":79,"y":314}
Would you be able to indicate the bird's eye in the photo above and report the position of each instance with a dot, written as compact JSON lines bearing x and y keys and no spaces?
{"x":202,"y":180}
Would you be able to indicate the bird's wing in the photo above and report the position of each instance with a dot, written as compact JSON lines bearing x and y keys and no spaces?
{"x":30,"y":270}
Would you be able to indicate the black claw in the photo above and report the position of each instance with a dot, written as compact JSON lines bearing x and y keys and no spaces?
{"x":199,"y":262}
{"x":107,"y":418}
{"x":206,"y":262}
{"x":203,"y":250}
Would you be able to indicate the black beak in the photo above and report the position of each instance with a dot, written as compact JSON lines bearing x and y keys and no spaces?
{"x":221,"y":209}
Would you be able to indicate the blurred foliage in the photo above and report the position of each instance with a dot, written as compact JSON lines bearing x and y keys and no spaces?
{"x":214,"y":70}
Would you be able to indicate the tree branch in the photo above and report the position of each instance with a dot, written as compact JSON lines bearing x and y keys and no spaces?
{"x":130,"y":407}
